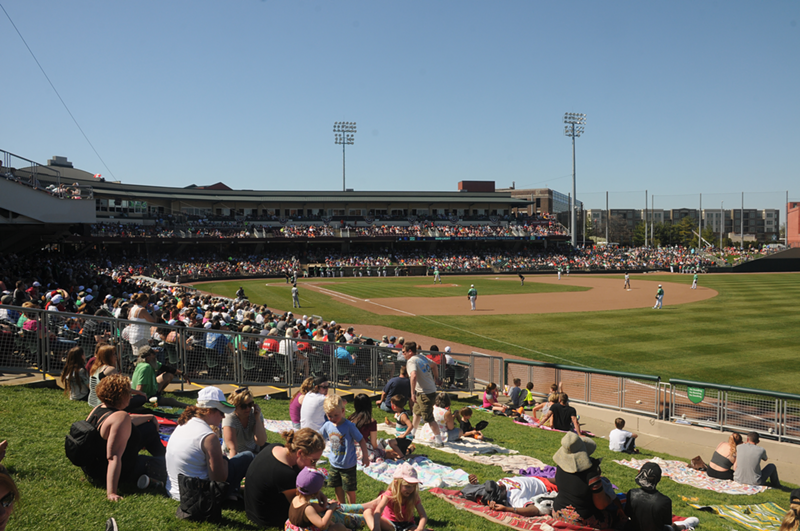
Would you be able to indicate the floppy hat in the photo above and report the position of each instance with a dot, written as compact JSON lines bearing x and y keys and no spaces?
{"x":407,"y":473}
{"x":573,"y":456}
{"x":310,"y":481}
{"x":213,"y":398}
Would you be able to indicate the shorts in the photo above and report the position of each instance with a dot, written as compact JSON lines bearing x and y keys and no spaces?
{"x":404,"y":526}
{"x":337,"y":476}
{"x":423,"y":406}
{"x":451,"y":435}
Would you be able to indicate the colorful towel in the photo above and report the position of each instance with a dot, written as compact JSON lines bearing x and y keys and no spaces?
{"x":480,"y":452}
{"x":430,"y":474}
{"x":532,"y":523}
{"x":680,"y":472}
{"x":764,"y":516}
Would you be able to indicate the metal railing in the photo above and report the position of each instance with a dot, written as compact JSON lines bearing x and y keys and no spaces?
{"x":220,"y":356}
{"x":621,"y":391}
{"x":725,"y":407}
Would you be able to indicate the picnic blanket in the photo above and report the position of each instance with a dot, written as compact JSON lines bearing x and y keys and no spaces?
{"x":680,"y":472}
{"x":430,"y":474}
{"x":548,"y":472}
{"x":481,"y":452}
{"x":535,"y":523}
{"x":277,"y":426}
{"x":763,"y":516}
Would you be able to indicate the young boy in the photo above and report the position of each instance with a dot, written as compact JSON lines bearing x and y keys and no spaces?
{"x":466,"y":425}
{"x":342,"y":435}
{"x":620,"y":440}
{"x":528,"y":400}
{"x":515,"y":394}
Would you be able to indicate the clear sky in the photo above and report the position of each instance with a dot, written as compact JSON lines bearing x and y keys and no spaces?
{"x":681,"y":97}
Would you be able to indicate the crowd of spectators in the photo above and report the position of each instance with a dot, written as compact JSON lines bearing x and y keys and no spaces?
{"x":206,"y":229}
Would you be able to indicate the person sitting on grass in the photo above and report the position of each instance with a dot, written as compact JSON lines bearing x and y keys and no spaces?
{"x":243,"y":430}
{"x":466,"y":426}
{"x":650,"y":510}
{"x":564,"y":416}
{"x":403,"y":426}
{"x":490,"y":399}
{"x":151,"y":378}
{"x":620,"y":440}
{"x":308,"y":510}
{"x":791,"y":520}
{"x":74,"y":376}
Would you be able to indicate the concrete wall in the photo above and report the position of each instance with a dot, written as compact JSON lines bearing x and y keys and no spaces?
{"x":36,"y":206}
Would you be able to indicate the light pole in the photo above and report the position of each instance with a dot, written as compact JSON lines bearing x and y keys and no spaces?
{"x":574,"y":127}
{"x":344,"y":133}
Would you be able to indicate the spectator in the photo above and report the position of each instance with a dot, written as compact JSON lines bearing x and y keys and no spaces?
{"x":399,"y":385}
{"x":747,"y":469}
{"x":243,"y":429}
{"x":312,"y":411}
{"x":194,"y":450}
{"x":791,"y":521}
{"x":152,"y":378}
{"x":620,"y":440}
{"x":564,"y":416}
{"x":723,"y":460}
{"x":9,"y":495}
{"x":648,"y":509}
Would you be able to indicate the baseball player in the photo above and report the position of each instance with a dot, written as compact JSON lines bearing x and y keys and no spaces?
{"x":472,"y":295}
{"x":659,"y":298}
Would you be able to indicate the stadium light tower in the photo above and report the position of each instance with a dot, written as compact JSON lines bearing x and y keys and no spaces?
{"x":344,"y":133}
{"x":574,"y":128}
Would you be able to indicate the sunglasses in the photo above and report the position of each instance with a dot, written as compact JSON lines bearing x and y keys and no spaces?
{"x":7,"y":500}
{"x":240,"y":390}
{"x":248,"y":405}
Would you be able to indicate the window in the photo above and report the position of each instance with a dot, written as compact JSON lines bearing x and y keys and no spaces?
{"x":355,"y":212}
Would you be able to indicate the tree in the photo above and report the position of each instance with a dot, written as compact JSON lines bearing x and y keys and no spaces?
{"x":619,"y":231}
{"x":638,"y":234}
{"x":685,"y":229}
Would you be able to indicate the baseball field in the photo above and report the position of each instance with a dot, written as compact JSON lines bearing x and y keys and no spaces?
{"x":735,"y":329}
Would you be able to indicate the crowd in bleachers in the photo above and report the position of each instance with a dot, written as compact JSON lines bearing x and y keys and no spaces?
{"x":207,"y":229}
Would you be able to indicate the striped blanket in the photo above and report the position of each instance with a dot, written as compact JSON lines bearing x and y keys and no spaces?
{"x":680,"y":472}
{"x":764,"y":516}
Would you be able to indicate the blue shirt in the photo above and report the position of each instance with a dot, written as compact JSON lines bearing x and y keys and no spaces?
{"x":396,"y":386}
{"x":342,"y":442}
{"x":343,"y":354}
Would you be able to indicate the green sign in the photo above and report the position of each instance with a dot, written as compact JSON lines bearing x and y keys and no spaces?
{"x":695,"y":394}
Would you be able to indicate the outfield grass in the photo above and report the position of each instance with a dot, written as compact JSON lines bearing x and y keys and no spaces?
{"x":746,"y":336}
{"x":55,"y":494}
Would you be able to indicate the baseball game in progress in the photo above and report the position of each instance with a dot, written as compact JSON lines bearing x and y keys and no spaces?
{"x":400,"y":266}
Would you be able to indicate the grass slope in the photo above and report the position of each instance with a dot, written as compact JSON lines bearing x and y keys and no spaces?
{"x":754,"y":317}
{"x":55,"y":494}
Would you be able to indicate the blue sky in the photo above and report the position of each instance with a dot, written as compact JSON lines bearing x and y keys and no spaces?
{"x":681,"y":97}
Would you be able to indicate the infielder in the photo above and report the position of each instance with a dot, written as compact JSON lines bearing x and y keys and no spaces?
{"x":472,"y":295}
{"x":521,"y":279}
{"x":694,"y":281}
{"x":295,"y":296}
{"x":627,"y":284}
{"x":559,"y":272}
{"x":659,"y":298}
{"x":436,"y":275}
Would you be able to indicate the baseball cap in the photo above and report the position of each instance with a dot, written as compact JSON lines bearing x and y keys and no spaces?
{"x":472,"y":285}
{"x":310,"y":481}
{"x":447,"y":349}
{"x":213,"y":398}
{"x":407,"y":473}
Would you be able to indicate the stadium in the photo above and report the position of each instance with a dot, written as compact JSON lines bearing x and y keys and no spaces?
{"x":387,"y":266}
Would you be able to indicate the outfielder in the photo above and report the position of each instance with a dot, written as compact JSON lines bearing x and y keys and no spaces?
{"x":472,"y":295}
{"x":659,"y":298}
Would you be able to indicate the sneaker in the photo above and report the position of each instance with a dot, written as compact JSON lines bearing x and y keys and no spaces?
{"x":111,"y":525}
{"x":690,"y":523}
{"x":437,"y":444}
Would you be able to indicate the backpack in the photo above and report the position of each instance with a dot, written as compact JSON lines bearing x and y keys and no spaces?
{"x":83,"y":444}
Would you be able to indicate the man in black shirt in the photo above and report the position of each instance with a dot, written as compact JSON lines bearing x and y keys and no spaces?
{"x":565,"y":418}
{"x":648,"y":509}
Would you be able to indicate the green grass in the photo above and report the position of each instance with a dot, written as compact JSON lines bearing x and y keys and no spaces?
{"x":746,"y":336}
{"x":56,"y":496}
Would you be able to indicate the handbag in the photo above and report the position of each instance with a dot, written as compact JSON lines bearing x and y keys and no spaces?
{"x":697,"y":463}
{"x":201,"y":499}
